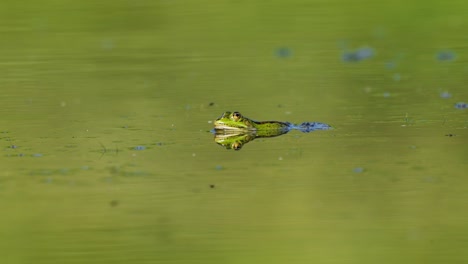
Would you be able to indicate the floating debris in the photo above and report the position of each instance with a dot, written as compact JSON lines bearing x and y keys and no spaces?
{"x":461,"y":105}
{"x":445,"y":95}
{"x":446,"y":55}
{"x":307,"y":127}
{"x":358,"y":170}
{"x":358,"y":55}
{"x":139,"y":148}
{"x":390,"y":65}
{"x":283,"y":52}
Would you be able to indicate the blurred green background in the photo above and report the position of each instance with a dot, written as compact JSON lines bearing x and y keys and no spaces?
{"x":107,"y":156}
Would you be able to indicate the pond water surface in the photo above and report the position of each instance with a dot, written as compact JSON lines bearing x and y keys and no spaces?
{"x":107,"y":155}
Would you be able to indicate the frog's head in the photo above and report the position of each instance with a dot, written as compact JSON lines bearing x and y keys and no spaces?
{"x":233,"y":120}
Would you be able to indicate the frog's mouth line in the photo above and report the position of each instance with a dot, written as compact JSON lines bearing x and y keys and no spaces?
{"x":221,"y":125}
{"x":226,"y":127}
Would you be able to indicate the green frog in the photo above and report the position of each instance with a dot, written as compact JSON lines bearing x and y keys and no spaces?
{"x":232,"y":130}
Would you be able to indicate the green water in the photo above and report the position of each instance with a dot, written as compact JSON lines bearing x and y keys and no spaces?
{"x":107,"y":156}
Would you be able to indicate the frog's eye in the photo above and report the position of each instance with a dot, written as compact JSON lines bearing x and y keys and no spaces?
{"x":236,"y":146}
{"x":236,"y":115}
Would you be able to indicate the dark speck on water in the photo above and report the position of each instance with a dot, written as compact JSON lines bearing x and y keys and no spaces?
{"x":390,"y":65}
{"x":114,"y":203}
{"x":461,"y":105}
{"x":358,"y":170}
{"x":212,"y":186}
{"x":283,"y":52}
{"x":446,"y":55}
{"x":358,"y":55}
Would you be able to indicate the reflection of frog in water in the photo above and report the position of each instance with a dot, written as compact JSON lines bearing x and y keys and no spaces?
{"x":232,"y":130}
{"x":233,"y":141}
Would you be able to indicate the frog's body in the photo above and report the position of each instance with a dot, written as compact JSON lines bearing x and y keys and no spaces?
{"x":235,"y":122}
